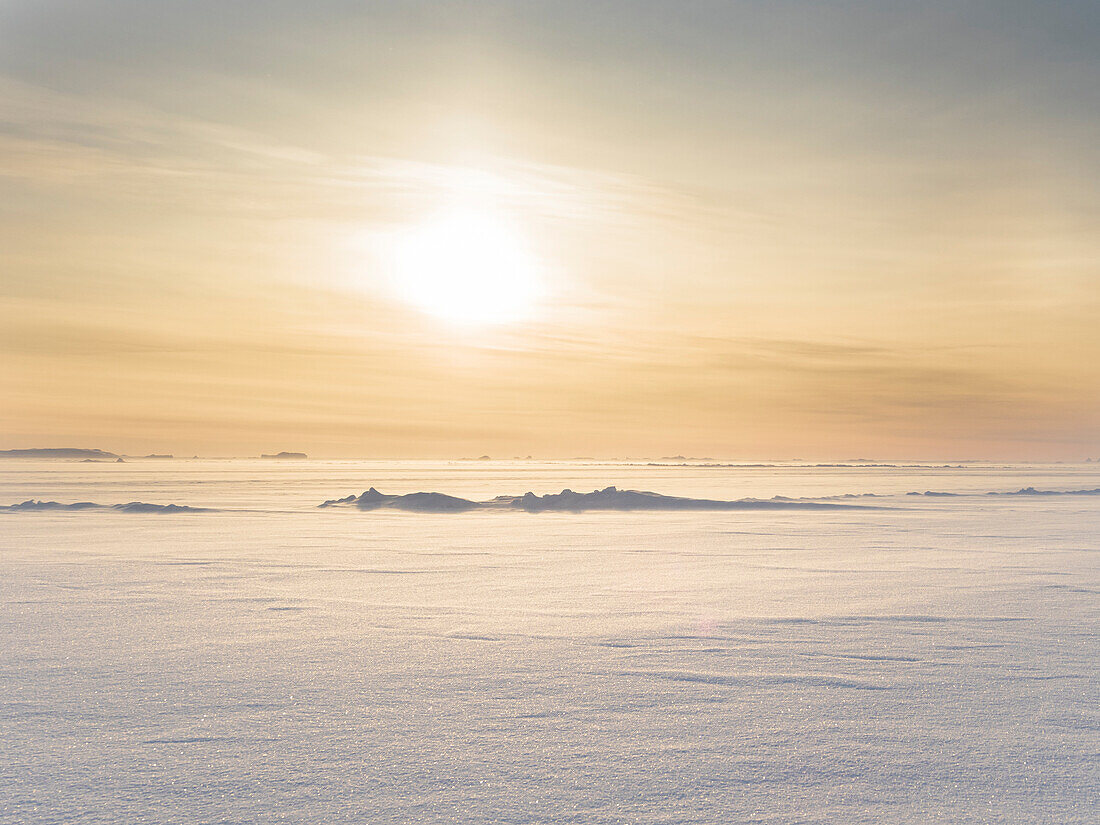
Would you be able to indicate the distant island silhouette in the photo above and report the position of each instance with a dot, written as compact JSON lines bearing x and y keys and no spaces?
{"x":285,"y":454}
{"x":129,"y":507}
{"x":609,"y":498}
{"x":58,"y":452}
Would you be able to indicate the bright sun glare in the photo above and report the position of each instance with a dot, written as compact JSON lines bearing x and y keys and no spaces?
{"x":465,"y":266}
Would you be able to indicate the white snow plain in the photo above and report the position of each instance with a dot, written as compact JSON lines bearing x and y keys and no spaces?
{"x":934,"y":661}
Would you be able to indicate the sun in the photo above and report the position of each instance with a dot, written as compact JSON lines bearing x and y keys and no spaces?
{"x":465,"y":266}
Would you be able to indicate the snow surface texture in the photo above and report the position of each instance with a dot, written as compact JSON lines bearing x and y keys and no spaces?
{"x":934,"y":661}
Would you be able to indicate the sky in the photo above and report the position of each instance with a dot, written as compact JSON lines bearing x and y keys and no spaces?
{"x":816,"y":230}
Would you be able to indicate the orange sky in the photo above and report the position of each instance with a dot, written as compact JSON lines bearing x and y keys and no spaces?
{"x":725,"y":229}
